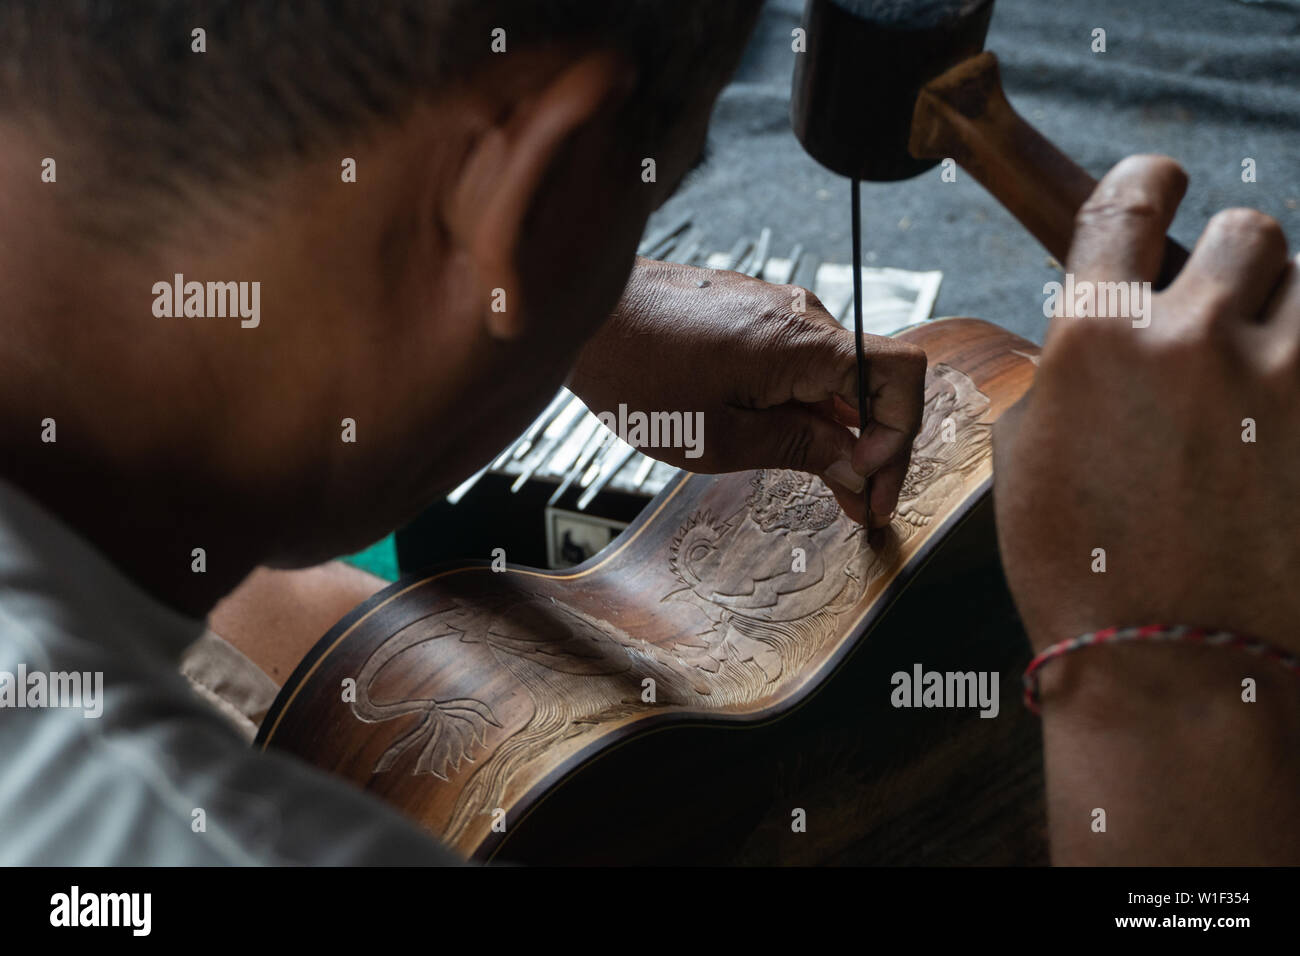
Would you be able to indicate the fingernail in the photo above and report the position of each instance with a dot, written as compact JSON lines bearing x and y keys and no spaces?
{"x":842,"y":474}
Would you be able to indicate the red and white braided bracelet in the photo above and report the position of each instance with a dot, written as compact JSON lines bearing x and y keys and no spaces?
{"x":1113,"y":635}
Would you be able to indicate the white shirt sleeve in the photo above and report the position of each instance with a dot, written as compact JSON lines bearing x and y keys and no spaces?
{"x":138,"y":770}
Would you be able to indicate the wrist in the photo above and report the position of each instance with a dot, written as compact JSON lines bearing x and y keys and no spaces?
{"x":1162,"y":738}
{"x":1112,"y":685}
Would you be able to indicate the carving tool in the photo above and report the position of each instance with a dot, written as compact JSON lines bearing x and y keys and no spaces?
{"x":597,"y":439}
{"x":569,"y":451}
{"x":864,"y":409}
{"x":654,"y":245}
{"x":643,"y":471}
{"x":516,"y":449}
{"x":461,"y":490}
{"x":687,"y":249}
{"x":559,"y":404}
{"x":571,"y":415}
{"x":805,"y":273}
{"x":520,"y":446}
{"x":795,"y":255}
{"x":737,"y":255}
{"x":617,"y":459}
{"x":759,"y":262}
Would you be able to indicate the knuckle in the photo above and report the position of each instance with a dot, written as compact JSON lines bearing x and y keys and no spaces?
{"x":726,"y":444}
{"x":1138,"y":192}
{"x":1067,"y":336}
{"x":1244,"y":225}
{"x":1211,"y":319}
{"x":790,"y":293}
{"x":1082,"y":348}
{"x":793,"y":330}
{"x":794,"y":448}
{"x":813,"y":303}
{"x":1181,"y":343}
{"x":1199,"y":320}
{"x":1107,"y":207}
{"x":912,"y":357}
{"x":1202,"y":352}
{"x":1162,"y":173}
{"x":1179,"y":353}
{"x":1281,"y":366}
{"x":1077,"y":336}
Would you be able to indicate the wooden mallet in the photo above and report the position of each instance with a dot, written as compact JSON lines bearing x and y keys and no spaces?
{"x":888,"y":88}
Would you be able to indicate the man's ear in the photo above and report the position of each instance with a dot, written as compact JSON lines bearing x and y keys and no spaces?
{"x":506,"y":167}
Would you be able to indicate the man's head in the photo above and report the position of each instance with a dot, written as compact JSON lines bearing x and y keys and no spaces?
{"x":435,"y":298}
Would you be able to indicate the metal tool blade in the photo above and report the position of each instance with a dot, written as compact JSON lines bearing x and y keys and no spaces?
{"x":616,"y":461}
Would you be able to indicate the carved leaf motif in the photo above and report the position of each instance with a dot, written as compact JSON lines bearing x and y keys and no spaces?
{"x":448,"y":732}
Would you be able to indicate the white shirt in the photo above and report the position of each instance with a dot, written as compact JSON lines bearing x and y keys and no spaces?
{"x":158,"y":777}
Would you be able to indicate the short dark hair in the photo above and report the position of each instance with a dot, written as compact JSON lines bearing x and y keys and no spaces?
{"x":119,"y":82}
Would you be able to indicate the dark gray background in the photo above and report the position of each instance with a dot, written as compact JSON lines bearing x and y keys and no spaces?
{"x":1208,"y":82}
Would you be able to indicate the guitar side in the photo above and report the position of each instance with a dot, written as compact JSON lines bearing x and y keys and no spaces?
{"x":728,"y":603}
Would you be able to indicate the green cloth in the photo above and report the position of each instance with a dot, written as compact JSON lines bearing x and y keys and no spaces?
{"x":379,"y":559}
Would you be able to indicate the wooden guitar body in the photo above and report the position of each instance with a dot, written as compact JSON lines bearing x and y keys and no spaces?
{"x":684,"y":695}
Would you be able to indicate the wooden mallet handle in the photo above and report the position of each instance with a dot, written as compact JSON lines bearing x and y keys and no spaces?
{"x":964,"y":114}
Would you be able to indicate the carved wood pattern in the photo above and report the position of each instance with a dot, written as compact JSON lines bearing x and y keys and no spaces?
{"x":475,"y":688}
